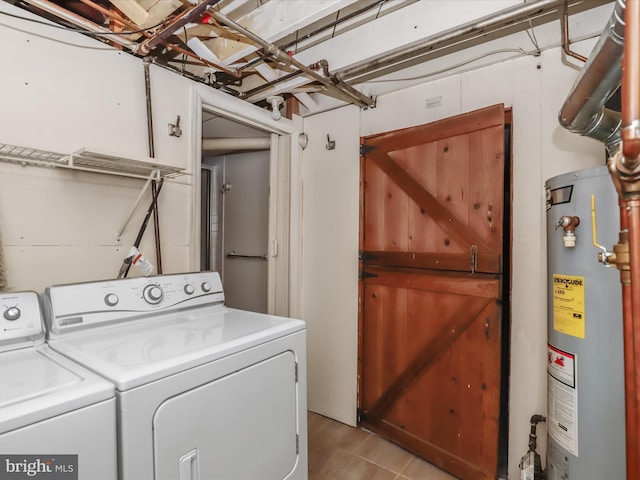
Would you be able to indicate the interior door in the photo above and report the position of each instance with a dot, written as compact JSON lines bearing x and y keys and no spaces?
{"x":246,"y":231}
{"x":235,"y":226}
{"x":431,"y":288}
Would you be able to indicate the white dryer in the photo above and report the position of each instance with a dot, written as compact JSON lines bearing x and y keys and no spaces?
{"x":56,"y":418}
{"x":204,"y":392}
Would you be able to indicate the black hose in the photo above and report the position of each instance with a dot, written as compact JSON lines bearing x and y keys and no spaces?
{"x":126,"y":263}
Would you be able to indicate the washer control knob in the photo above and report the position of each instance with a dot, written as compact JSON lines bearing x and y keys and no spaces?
{"x":12,"y":313}
{"x":188,"y":289}
{"x":111,"y":299}
{"x":206,"y":287}
{"x":153,"y":294}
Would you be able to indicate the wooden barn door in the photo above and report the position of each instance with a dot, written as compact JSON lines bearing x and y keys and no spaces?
{"x":430,"y":290}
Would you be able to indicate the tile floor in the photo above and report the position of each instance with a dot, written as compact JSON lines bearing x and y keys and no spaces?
{"x":340,"y":452}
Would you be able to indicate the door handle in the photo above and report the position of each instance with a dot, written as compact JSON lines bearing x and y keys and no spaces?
{"x":473,"y":258}
{"x":189,"y":466}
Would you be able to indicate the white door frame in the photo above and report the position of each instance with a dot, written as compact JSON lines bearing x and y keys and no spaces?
{"x":284,"y":199}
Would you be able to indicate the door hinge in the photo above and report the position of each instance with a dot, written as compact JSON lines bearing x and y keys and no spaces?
{"x":364,"y":256}
{"x":297,"y":444}
{"x":473,"y":258}
{"x":363,"y":275}
{"x":364,"y":149}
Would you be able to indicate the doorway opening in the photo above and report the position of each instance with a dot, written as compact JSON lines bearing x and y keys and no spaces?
{"x":234,"y":214}
{"x":241,"y":120}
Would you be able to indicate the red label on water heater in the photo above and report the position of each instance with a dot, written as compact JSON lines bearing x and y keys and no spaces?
{"x":562,"y":399}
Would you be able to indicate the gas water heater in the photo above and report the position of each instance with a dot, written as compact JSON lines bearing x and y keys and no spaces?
{"x":585,"y":365}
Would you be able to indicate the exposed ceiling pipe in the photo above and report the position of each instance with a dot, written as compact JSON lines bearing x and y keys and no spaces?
{"x":630,"y":90}
{"x":119,"y":18}
{"x":625,"y":172}
{"x":493,"y":22}
{"x":340,"y":88}
{"x":178,"y":22}
{"x":114,"y":16}
{"x":566,"y":43}
{"x":266,"y":86}
{"x":236,"y":144}
{"x":88,"y":25}
{"x":583,"y":111}
{"x":79,"y":21}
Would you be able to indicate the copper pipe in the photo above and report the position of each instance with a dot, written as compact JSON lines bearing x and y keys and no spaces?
{"x":79,"y":21}
{"x":629,"y":151}
{"x":113,"y":15}
{"x":632,"y":344}
{"x":565,"y":34}
{"x":178,"y":22}
{"x":630,"y":83}
{"x":631,"y":401}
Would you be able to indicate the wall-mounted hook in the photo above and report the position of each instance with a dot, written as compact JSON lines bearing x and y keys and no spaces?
{"x":175,"y":130}
{"x":331,"y":144}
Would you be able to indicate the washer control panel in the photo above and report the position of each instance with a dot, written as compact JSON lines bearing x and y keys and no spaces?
{"x":20,"y":317}
{"x":76,"y":306}
{"x":153,"y":294}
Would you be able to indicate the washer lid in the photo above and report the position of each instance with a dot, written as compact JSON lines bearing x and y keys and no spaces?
{"x":136,"y":353}
{"x":36,"y":384}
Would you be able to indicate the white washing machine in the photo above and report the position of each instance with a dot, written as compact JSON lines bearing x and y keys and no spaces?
{"x":204,"y":392}
{"x":57,"y":419}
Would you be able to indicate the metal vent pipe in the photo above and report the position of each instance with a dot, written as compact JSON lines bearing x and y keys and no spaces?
{"x":236,"y":144}
{"x":583,"y":111}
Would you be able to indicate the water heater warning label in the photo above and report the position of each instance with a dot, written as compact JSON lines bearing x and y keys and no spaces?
{"x":562,"y":406}
{"x":568,"y":305}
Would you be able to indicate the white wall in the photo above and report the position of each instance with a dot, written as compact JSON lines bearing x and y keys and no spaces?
{"x":535,"y":88}
{"x":330,"y":211}
{"x":62,"y":91}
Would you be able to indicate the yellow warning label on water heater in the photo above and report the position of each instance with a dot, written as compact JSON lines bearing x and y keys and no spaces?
{"x":568,"y":305}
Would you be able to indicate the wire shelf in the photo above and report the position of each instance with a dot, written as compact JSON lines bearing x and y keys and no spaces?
{"x":90,"y":162}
